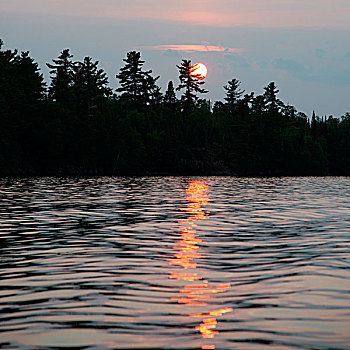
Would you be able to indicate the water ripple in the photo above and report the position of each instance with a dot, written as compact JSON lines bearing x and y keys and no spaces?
{"x":175,"y":263}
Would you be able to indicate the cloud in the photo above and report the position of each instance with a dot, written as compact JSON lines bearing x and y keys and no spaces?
{"x":288,"y":65}
{"x":238,"y":60}
{"x":171,"y":53}
{"x":193,"y":48}
{"x":335,"y":75}
{"x":332,"y":76}
{"x":320,"y":53}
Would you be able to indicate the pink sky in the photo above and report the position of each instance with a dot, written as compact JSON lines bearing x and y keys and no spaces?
{"x":302,"y":45}
{"x":265,"y":13}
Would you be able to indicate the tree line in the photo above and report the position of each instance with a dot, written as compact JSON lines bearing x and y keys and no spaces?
{"x":78,"y":125}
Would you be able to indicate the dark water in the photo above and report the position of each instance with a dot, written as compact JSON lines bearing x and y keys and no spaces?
{"x":175,"y":263}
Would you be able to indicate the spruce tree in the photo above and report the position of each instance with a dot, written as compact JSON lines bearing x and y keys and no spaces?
{"x":170,"y":96}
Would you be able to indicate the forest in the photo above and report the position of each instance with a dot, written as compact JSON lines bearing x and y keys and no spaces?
{"x":78,"y":125}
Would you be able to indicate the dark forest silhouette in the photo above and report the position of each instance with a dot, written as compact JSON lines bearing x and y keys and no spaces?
{"x":79,"y":126}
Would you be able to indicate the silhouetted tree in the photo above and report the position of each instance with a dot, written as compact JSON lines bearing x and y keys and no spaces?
{"x":313,"y":122}
{"x":22,"y":91}
{"x":190,"y":83}
{"x":89,"y":84}
{"x":131,"y":77}
{"x":290,"y":111}
{"x":170,"y":96}
{"x":133,"y":135}
{"x":20,"y":79}
{"x":61,"y":72}
{"x":137,"y":86}
{"x":272,"y":103}
{"x":258,"y":104}
{"x":233,"y":93}
{"x":219,"y":108}
{"x":151,"y":95}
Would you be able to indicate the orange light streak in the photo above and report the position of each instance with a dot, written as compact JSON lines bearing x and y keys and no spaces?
{"x":186,"y":251}
{"x":185,"y":276}
{"x":206,"y":328}
{"x":212,"y":291}
{"x":213,"y":313}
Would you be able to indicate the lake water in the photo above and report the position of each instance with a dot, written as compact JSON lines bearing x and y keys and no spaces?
{"x":175,"y":263}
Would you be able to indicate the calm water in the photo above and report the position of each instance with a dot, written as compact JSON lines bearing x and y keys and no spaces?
{"x":175,"y":263}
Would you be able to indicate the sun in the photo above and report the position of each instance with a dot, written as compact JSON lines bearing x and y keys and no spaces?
{"x":199,"y":71}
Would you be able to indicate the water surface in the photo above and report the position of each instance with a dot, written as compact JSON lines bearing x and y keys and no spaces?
{"x":175,"y":263}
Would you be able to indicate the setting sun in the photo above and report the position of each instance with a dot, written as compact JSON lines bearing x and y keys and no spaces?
{"x":199,"y":71}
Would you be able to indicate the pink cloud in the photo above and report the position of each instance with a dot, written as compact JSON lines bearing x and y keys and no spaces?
{"x":194,"y":48}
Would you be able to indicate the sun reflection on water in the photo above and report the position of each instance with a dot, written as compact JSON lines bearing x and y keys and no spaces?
{"x":198,"y":292}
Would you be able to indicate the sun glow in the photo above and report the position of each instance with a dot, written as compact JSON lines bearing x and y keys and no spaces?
{"x":199,"y":71}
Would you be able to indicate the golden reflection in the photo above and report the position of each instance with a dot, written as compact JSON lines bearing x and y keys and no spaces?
{"x":197,"y":292}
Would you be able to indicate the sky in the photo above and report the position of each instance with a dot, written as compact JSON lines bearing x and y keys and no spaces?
{"x":301,"y":45}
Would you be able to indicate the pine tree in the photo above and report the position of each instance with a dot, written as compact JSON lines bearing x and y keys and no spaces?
{"x":61,"y":78}
{"x":137,"y":86}
{"x":89,"y":83}
{"x":22,"y":100}
{"x":190,"y":83}
{"x":131,"y":76}
{"x":21,"y":82}
{"x":233,"y":93}
{"x":272,"y":103}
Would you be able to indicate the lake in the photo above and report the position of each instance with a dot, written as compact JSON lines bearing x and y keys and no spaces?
{"x":175,"y":263}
